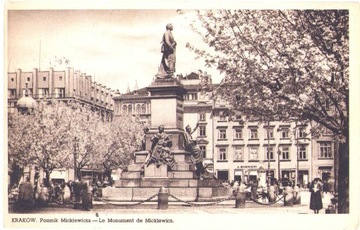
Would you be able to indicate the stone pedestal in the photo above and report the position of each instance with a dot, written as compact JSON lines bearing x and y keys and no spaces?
{"x":140,"y":181}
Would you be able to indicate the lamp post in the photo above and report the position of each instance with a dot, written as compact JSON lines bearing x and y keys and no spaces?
{"x":268,"y":153}
{"x":297,"y":160}
{"x":278,"y":152}
{"x":75,"y":157}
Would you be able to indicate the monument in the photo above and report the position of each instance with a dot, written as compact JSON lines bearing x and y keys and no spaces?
{"x":170,"y":157}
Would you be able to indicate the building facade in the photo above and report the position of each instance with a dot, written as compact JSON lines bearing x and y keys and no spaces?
{"x":239,"y":149}
{"x":60,"y":85}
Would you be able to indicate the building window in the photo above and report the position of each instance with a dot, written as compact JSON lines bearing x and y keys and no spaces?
{"x":222,"y":133}
{"x":138,"y":109}
{"x":302,"y":153}
{"x":143,"y":108}
{"x":59,"y":92}
{"x":29,"y":91}
{"x":302,"y":133}
{"x":238,"y":153}
{"x":124,"y":109}
{"x":12,"y":92}
{"x":12,"y":79}
{"x":253,"y":153}
{"x":269,"y":132}
{"x":43,"y":93}
{"x":284,"y":133}
{"x":222,"y":154}
{"x":203,"y":150}
{"x":285,"y":153}
{"x":253,"y":133}
{"x":222,"y":116}
{"x":269,"y":153}
{"x":28,"y":79}
{"x":129,"y":109}
{"x":238,"y":133}
{"x":191,"y":96}
{"x":202,"y":130}
{"x":202,"y":116}
{"x":325,"y":150}
{"x":60,"y":78}
{"x":44,"y":78}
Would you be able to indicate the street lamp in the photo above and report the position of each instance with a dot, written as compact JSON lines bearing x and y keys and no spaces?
{"x":268,"y":153}
{"x":76,"y":146}
{"x":278,"y":152}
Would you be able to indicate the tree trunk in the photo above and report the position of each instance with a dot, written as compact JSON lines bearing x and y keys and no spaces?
{"x":15,"y":175}
{"x":47,"y":178}
{"x":343,"y":182}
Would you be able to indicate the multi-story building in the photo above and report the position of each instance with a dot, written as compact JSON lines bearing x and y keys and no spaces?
{"x":67,"y":85}
{"x":61,"y":85}
{"x":240,"y":149}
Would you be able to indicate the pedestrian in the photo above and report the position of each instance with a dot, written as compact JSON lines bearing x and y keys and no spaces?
{"x":77,"y":190}
{"x":315,"y":196}
{"x":86,"y":197}
{"x":254,"y":186}
{"x":26,"y":196}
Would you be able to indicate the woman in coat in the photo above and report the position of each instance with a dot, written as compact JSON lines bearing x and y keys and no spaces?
{"x":315,"y":197}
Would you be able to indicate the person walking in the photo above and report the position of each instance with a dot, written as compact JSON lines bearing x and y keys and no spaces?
{"x":26,"y":196}
{"x":86,"y":198}
{"x":315,"y":196}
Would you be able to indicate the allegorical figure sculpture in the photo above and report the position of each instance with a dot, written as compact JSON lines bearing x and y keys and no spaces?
{"x":168,"y":47}
{"x":194,"y":149}
{"x":160,"y":152}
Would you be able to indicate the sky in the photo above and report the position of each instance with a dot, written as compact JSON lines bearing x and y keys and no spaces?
{"x":118,"y":48}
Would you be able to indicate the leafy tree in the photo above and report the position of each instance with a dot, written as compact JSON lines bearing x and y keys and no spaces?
{"x":288,"y":65}
{"x":47,"y":139}
{"x":50,"y":135}
{"x":18,"y":146}
{"x":119,"y":139}
{"x":84,"y":125}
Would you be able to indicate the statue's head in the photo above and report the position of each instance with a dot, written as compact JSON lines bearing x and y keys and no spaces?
{"x":169,"y":26}
{"x":188,"y":128}
{"x":161,"y":128}
{"x":146,"y":129}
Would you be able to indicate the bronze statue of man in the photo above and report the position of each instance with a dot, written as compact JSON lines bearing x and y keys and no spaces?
{"x":194,"y":149}
{"x":168,"y":47}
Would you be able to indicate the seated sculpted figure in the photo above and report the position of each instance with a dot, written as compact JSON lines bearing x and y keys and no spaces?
{"x":160,"y":149}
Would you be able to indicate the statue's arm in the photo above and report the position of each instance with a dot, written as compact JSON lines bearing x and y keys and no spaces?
{"x":197,"y":125}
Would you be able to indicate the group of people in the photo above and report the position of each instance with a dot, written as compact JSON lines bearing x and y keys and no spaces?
{"x":26,"y":196}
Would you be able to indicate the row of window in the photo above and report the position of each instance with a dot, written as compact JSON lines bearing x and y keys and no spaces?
{"x":139,"y":109}
{"x":28,"y":79}
{"x":325,"y":150}
{"x":45,"y":93}
{"x":253,"y":133}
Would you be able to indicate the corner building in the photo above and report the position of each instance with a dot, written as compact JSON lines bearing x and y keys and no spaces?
{"x":60,"y":85}
{"x":239,"y":149}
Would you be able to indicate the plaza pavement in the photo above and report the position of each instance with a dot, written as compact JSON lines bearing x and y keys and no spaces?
{"x":225,"y":207}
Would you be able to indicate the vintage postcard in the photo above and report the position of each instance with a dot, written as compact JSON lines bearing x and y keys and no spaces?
{"x":152,"y":115}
